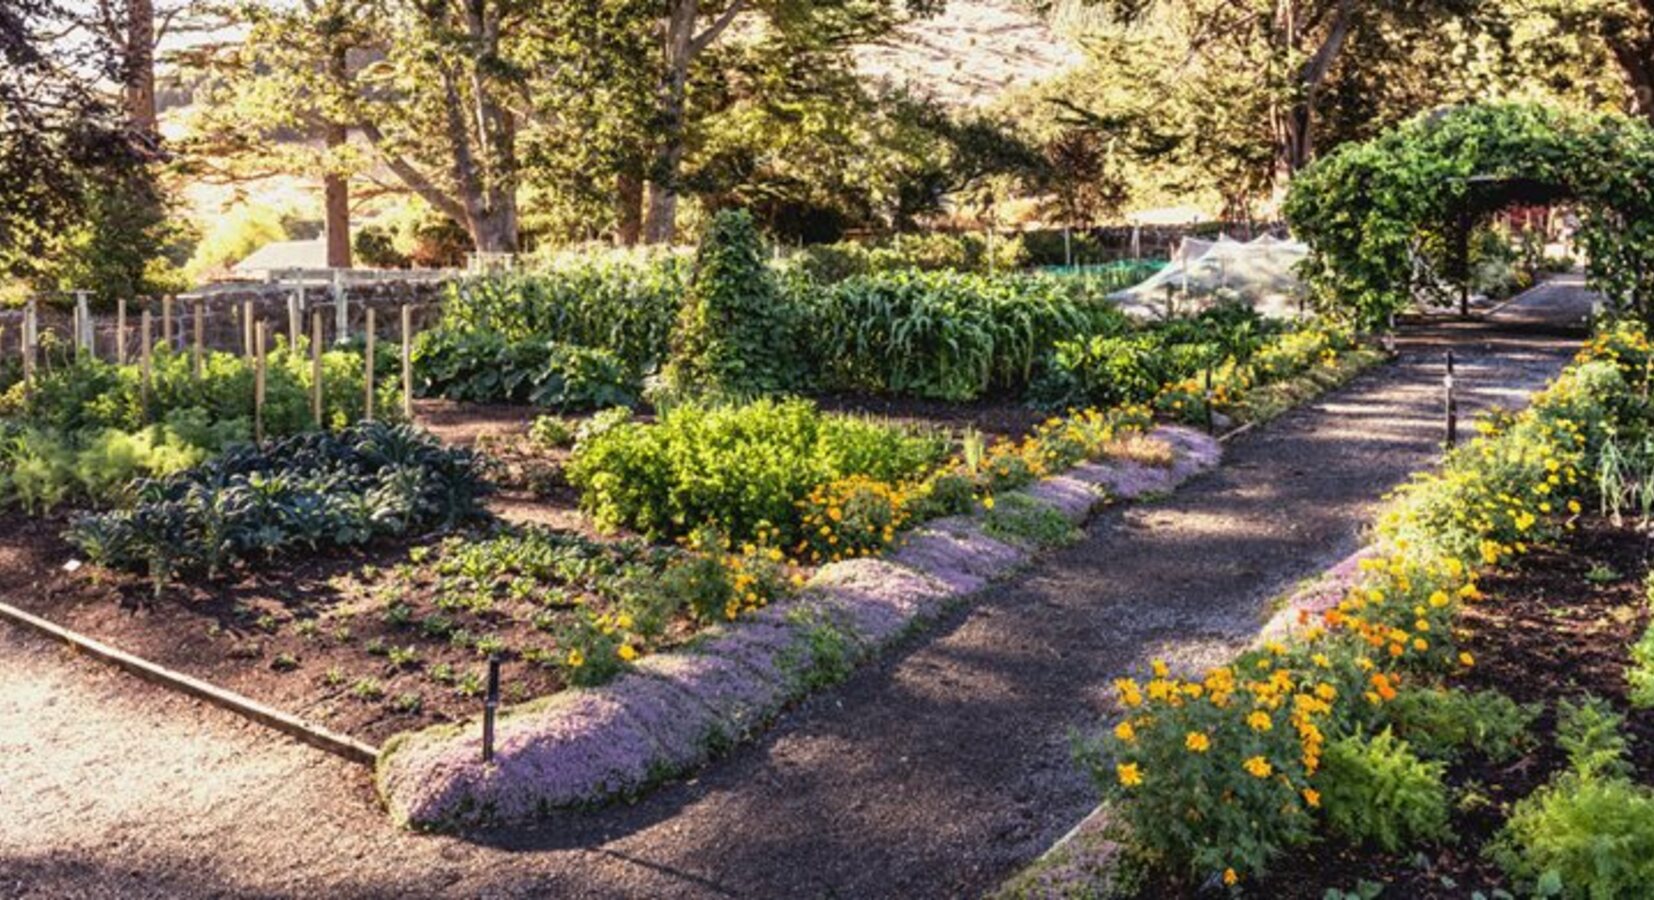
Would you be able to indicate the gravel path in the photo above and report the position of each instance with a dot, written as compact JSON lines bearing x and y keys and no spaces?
{"x":935,"y":773}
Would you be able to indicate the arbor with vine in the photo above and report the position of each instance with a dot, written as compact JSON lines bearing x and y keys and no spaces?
{"x":1382,"y":217}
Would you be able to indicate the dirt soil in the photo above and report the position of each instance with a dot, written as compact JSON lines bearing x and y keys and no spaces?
{"x":1546,"y":632}
{"x":307,"y":636}
{"x":935,"y":773}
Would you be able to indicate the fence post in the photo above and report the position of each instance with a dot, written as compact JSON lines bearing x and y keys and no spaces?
{"x":249,"y":329}
{"x":120,"y":332}
{"x":200,"y":339}
{"x":295,"y":313}
{"x":407,"y":362}
{"x":166,"y":321}
{"x":341,"y":308}
{"x":367,"y":371}
{"x":83,"y":322}
{"x":1451,"y":405}
{"x":316,"y":368}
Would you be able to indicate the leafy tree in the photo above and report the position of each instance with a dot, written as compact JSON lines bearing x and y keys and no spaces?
{"x":73,"y":171}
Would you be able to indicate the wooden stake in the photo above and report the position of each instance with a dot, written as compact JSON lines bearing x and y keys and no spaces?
{"x":166,"y":321}
{"x":120,"y":332}
{"x":30,"y":342}
{"x":200,"y":339}
{"x":316,"y":368}
{"x":144,"y":349}
{"x":248,"y":328}
{"x":367,"y":373}
{"x":407,"y":362}
{"x":258,"y":381}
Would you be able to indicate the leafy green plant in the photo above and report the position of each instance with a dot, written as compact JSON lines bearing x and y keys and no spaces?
{"x":554,"y":432}
{"x":483,"y":367}
{"x":1375,"y":790}
{"x":1021,"y":520}
{"x":1590,"y":832}
{"x":311,"y":490}
{"x":1443,"y":723}
{"x":741,"y":469}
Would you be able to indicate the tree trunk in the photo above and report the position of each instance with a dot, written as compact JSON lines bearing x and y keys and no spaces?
{"x":335,"y":187}
{"x":661,"y":223}
{"x":140,"y":66}
{"x":1296,"y":129}
{"x":628,"y":208}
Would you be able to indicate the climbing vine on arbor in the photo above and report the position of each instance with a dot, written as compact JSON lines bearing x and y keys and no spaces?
{"x":1381,"y":216}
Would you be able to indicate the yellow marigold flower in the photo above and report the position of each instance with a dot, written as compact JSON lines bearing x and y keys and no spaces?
{"x":1321,"y":660}
{"x":1125,"y":732}
{"x":1197,"y":742}
{"x":1259,"y":720}
{"x":1312,"y":797}
{"x":988,"y":502}
{"x":1465,"y":659}
{"x":1229,"y":877}
{"x":1130,"y":694}
{"x":1326,"y":691}
{"x":1420,"y":644}
{"x":1160,"y":670}
{"x":1439,"y":599}
{"x":627,"y":652}
{"x":576,"y":659}
{"x":1258,"y":767}
{"x":1129,"y":774}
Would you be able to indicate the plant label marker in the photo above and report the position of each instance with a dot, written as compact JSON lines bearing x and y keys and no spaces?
{"x":1450,"y":404}
{"x":367,"y":371}
{"x":262,"y":334}
{"x":316,"y":368}
{"x":120,"y":332}
{"x":490,"y":703}
{"x":407,"y":362}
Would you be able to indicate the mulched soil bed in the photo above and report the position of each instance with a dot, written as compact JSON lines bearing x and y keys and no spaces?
{"x":1546,"y":632}
{"x":245,"y":633}
{"x":308,"y":634}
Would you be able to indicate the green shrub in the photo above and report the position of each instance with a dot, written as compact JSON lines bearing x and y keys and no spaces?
{"x":1590,"y":832}
{"x":1375,"y":790}
{"x":483,"y":367}
{"x":735,"y":336}
{"x":1441,"y":723}
{"x":1640,"y":674}
{"x":739,"y":469}
{"x":554,"y":432}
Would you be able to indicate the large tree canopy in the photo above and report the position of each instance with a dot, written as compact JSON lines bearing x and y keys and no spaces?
{"x":1381,"y":216}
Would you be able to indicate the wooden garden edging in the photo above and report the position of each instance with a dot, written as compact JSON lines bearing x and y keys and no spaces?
{"x":315,"y":735}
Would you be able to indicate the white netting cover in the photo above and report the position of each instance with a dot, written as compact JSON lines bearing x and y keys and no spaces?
{"x":1201,"y":273}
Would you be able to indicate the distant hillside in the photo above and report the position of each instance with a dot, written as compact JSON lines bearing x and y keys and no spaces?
{"x":971,"y":54}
